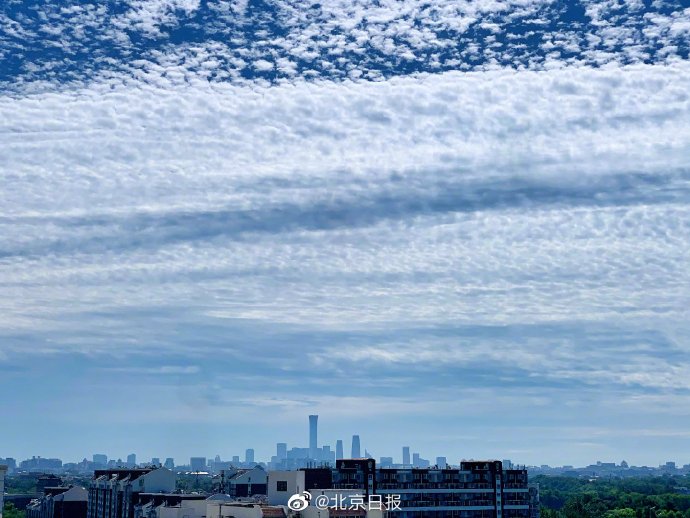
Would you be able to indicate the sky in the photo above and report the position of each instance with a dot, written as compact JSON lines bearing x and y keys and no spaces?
{"x":459,"y":226}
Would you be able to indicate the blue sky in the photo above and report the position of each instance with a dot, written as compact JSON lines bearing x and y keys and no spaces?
{"x":459,"y":226}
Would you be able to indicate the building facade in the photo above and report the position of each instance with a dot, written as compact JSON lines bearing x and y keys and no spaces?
{"x":477,"y":489}
{"x":113,"y":493}
{"x":59,"y":502}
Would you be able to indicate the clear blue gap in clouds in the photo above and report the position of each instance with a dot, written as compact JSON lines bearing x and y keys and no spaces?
{"x":461,"y":225}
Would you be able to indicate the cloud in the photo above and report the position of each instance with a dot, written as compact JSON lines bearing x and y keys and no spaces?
{"x":49,"y":46}
{"x":217,"y":204}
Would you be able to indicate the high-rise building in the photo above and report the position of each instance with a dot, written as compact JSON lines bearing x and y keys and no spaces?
{"x":356,"y":454}
{"x":313,"y":440}
{"x":339,"y":454}
{"x":249,"y":455}
{"x":131,"y":460}
{"x":386,"y":462}
{"x":100,"y":459}
{"x":197,"y":463}
{"x":406,"y":456}
{"x":236,"y":459}
{"x":155,"y":461}
{"x":281,"y":451}
{"x":441,"y":462}
{"x":169,"y":463}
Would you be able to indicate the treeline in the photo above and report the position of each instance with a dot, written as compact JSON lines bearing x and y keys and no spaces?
{"x":643,"y":497}
{"x":10,"y":511}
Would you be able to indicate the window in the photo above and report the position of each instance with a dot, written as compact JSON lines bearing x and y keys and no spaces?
{"x":281,"y":485}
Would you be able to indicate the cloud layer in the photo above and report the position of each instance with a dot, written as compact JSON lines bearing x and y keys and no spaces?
{"x":459,"y":233}
{"x":178,"y":41}
{"x":239,"y":213}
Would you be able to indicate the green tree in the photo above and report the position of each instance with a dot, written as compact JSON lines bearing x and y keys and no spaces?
{"x":621,"y":513}
{"x":10,"y":511}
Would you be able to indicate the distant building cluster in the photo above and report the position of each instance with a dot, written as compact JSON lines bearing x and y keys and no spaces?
{"x":611,"y":469}
{"x":355,"y":486}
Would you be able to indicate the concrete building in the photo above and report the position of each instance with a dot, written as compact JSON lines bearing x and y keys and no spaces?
{"x":281,"y":451}
{"x":198,"y":464}
{"x":241,"y":483}
{"x":406,"y":456}
{"x":339,"y":453}
{"x":150,"y":505}
{"x":3,"y":472}
{"x":283,"y":484}
{"x":100,"y":459}
{"x":234,"y":509}
{"x":41,"y":465}
{"x":169,"y":463}
{"x":47,"y":480}
{"x":386,"y":462}
{"x":113,"y":493}
{"x":478,"y":489}
{"x":249,"y":456}
{"x":59,"y":502}
{"x":184,"y":508}
{"x":131,"y":460}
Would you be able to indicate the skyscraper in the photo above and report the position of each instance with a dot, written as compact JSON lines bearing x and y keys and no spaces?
{"x":131,"y":460}
{"x":197,"y":463}
{"x":406,"y":456}
{"x":169,"y":463}
{"x":355,"y":447}
{"x":281,"y":451}
{"x":339,"y":449}
{"x":313,"y":431}
{"x":100,"y":459}
{"x":249,"y":455}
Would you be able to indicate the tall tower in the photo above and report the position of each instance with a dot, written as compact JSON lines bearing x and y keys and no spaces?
{"x":406,"y":455}
{"x":249,"y":455}
{"x":339,"y":454}
{"x":313,"y":431}
{"x":355,"y":447}
{"x":281,"y":451}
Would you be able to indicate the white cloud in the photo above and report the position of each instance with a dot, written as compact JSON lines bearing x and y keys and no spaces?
{"x":491,"y":197}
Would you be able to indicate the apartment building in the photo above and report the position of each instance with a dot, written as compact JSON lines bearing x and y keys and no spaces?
{"x":113,"y":493}
{"x":478,"y":489}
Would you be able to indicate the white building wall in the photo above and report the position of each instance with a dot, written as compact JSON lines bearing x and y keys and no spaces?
{"x":295,"y":484}
{"x":187,"y":509}
{"x":229,"y":510}
{"x":160,"y":480}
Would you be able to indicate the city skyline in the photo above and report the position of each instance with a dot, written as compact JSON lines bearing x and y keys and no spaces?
{"x":406,"y":455}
